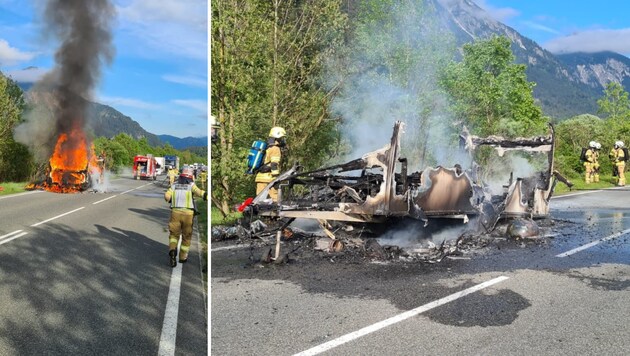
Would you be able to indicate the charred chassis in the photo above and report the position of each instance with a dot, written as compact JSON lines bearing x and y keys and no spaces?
{"x":371,"y":190}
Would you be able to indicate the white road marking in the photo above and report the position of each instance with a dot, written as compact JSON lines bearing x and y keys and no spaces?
{"x":400,"y":317}
{"x":100,"y":201}
{"x":589,"y":245}
{"x":127,"y":191}
{"x":11,"y":233}
{"x":58,"y":216}
{"x":169,"y":326}
{"x":572,"y":195}
{"x":227,"y":248}
{"x":20,"y":194}
{"x":11,"y":238}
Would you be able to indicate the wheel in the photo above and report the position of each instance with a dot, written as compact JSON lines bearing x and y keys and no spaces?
{"x":266,"y":255}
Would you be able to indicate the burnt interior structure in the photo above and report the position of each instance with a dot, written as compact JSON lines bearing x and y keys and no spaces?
{"x":377,"y":187}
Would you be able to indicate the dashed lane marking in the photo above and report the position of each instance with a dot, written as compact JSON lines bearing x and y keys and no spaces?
{"x":58,"y":216}
{"x":11,"y":236}
{"x":594,"y":243}
{"x":130,"y":190}
{"x":102,"y":200}
{"x":398,"y":318}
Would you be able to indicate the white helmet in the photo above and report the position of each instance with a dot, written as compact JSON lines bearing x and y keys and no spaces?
{"x":619,"y":144}
{"x":592,"y":144}
{"x":277,"y":132}
{"x":598,"y":146}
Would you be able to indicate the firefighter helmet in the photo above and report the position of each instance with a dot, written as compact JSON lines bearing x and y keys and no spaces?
{"x":619,"y":144}
{"x":592,"y":144}
{"x":598,"y":146}
{"x":187,"y":172}
{"x":277,"y":132}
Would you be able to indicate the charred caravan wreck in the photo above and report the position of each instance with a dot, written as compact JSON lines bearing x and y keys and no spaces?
{"x":371,"y":190}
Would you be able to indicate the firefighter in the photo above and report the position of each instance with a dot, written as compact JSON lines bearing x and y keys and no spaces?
{"x":271,"y":165}
{"x":589,"y":162}
{"x":598,"y":147}
{"x":181,"y":196}
{"x":618,"y":158}
{"x":172,"y":174}
{"x":203,"y":177}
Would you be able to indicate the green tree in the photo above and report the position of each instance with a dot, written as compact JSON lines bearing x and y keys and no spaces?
{"x":16,"y":163}
{"x":117,"y":155}
{"x":574,"y":134}
{"x":616,"y":106}
{"x":491,"y":94}
{"x":615,"y":103}
{"x":266,"y":60}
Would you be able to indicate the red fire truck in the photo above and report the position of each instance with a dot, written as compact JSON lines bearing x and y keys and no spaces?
{"x":144,"y":167}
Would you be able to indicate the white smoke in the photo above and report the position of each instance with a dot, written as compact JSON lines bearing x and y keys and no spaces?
{"x":394,"y":78}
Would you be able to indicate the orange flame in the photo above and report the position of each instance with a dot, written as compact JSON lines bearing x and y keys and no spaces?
{"x":70,"y":164}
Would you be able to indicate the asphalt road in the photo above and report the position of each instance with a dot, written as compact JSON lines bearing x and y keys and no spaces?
{"x":88,"y":274}
{"x":568,"y":293}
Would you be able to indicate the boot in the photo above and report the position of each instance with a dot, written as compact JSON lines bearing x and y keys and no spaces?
{"x":173,"y":257}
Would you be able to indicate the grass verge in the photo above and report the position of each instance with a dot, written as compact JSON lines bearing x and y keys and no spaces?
{"x":218,"y":219}
{"x":605,"y":181}
{"x":12,"y":188}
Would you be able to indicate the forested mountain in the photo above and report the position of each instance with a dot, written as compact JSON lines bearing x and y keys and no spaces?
{"x":186,"y":142}
{"x":102,"y":120}
{"x":566,"y":85}
{"x":109,"y":122}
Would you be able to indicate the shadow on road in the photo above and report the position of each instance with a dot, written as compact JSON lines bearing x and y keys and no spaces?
{"x":85,"y":293}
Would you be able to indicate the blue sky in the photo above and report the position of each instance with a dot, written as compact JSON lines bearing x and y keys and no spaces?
{"x":567,"y":26}
{"x":159,"y":74}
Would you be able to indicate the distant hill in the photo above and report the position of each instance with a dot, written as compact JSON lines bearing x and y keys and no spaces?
{"x":109,"y":122}
{"x":566,"y":84}
{"x":186,"y":142}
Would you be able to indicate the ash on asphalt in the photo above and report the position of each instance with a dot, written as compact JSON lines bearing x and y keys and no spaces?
{"x":368,"y":267}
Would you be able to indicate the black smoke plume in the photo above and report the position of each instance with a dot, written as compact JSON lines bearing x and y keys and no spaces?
{"x":83,"y":29}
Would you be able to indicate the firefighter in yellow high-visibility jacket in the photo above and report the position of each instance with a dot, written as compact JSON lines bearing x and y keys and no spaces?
{"x":172,"y":174}
{"x":589,"y":162}
{"x":270,"y":168}
{"x":618,"y":158}
{"x":181,"y":196}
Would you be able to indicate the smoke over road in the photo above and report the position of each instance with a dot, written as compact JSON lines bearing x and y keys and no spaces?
{"x":83,"y":29}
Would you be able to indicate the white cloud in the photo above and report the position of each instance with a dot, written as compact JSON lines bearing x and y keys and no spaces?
{"x":127,"y":102}
{"x":592,"y":41}
{"x":190,"y":13}
{"x":175,"y":27}
{"x":501,"y":14}
{"x":540,"y":27}
{"x":199,"y":105}
{"x":11,"y":55}
{"x":27,"y":75}
{"x":186,"y":80}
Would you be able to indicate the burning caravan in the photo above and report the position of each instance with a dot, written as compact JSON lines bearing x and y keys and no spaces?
{"x":378,"y":187}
